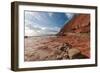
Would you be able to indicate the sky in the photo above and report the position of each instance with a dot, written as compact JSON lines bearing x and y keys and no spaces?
{"x":44,"y":23}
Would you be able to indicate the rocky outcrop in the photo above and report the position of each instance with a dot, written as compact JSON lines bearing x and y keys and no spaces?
{"x":79,"y":24}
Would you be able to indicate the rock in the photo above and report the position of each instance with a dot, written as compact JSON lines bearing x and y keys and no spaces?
{"x":79,"y":24}
{"x":25,"y":36}
{"x":72,"y":52}
{"x":62,"y":51}
{"x":64,"y":47}
{"x":79,"y":56}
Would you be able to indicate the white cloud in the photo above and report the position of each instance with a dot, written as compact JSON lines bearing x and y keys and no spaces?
{"x":31,"y":14}
{"x":41,"y":31}
{"x":29,"y":32}
{"x":27,"y":22}
{"x":50,"y":14}
{"x":69,"y":15}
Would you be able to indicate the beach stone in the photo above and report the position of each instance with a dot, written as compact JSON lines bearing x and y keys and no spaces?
{"x":72,"y":52}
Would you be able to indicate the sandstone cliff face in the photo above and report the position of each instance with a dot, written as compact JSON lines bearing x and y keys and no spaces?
{"x":80,"y":23}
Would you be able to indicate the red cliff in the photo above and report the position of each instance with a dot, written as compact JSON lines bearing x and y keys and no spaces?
{"x":80,"y":23}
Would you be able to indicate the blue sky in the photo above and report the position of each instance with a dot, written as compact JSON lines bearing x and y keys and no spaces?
{"x":45,"y":23}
